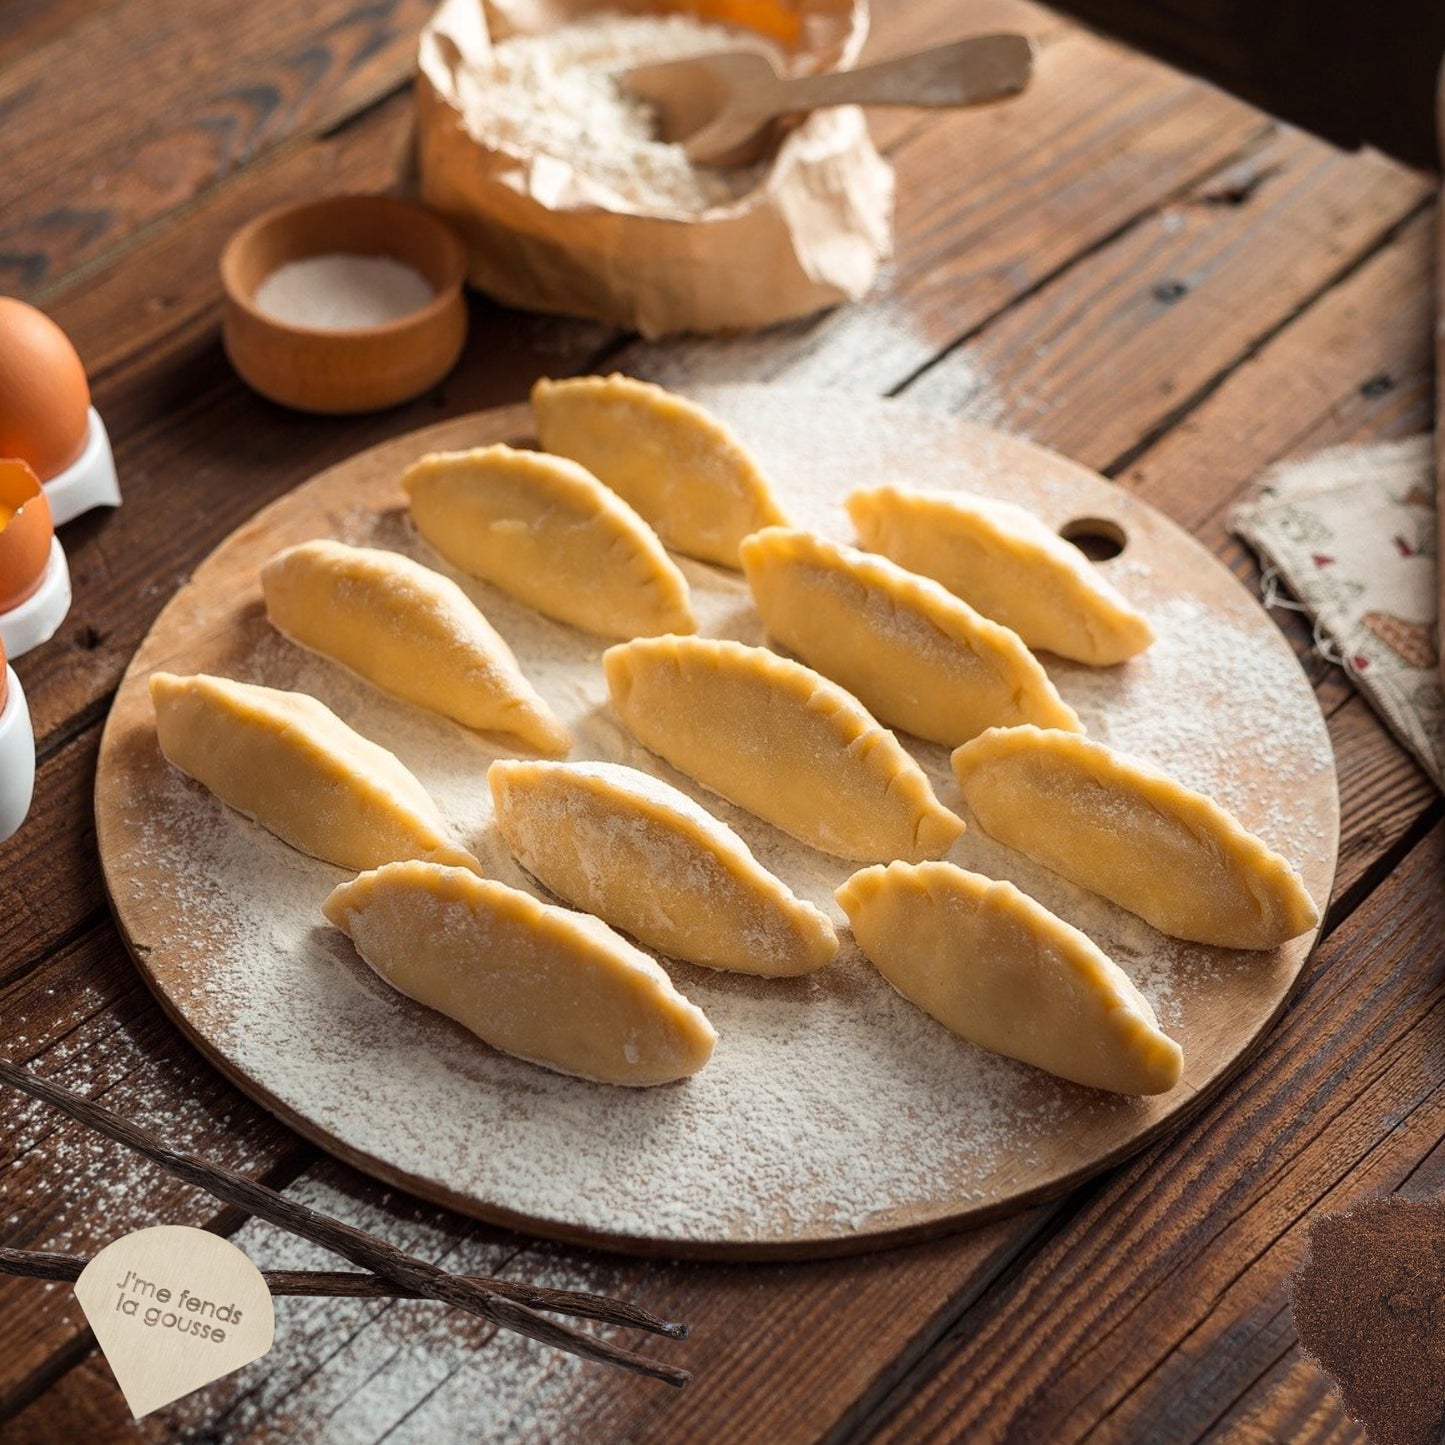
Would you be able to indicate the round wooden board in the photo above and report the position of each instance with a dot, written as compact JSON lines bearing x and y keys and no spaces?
{"x":834,"y":1117}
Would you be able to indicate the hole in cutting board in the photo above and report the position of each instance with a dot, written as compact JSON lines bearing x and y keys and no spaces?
{"x":1096,"y":537}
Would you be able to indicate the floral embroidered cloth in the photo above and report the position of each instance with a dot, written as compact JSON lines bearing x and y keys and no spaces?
{"x":1352,"y":533}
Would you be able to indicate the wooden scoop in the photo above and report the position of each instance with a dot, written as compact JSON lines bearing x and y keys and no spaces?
{"x":716,"y":105}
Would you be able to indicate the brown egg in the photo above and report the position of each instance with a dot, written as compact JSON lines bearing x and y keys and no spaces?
{"x":46,"y":396}
{"x":25,"y":532}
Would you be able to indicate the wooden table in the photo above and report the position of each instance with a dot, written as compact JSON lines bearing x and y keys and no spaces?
{"x":1126,"y":265}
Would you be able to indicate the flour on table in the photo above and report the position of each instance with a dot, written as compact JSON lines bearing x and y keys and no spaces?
{"x":832,"y":1105}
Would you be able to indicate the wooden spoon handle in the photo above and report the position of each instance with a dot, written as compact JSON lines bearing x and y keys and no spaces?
{"x":966,"y":72}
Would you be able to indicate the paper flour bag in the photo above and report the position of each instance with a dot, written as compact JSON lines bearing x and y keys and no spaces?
{"x":614,"y":228}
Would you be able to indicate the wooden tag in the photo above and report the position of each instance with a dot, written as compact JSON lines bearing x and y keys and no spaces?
{"x":173,"y":1309}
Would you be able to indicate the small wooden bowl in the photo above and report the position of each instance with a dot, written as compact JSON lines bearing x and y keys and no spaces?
{"x":339,"y":372}
{"x":25,"y":533}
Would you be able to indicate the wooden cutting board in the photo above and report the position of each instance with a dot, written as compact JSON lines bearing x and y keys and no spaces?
{"x":835,"y":1117}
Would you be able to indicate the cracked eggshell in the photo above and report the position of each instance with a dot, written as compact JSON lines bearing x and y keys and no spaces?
{"x":26,"y":530}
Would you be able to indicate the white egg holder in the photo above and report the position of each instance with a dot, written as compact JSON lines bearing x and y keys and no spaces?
{"x":89,"y":481}
{"x":37,"y":619}
{"x":17,"y":757}
{"x":21,"y":628}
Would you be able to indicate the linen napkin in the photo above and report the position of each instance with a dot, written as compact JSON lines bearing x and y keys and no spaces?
{"x":1351,"y":533}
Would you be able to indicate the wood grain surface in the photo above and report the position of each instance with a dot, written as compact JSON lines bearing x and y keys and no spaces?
{"x":1005,"y":228}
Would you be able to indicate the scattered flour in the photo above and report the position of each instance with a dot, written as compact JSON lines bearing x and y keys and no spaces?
{"x":554,"y":98}
{"x":832,"y":1105}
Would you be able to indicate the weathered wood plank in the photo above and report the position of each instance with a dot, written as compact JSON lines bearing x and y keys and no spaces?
{"x":26,"y":25}
{"x":165,"y":282}
{"x":835,"y":1338}
{"x":1383,"y":792}
{"x":84,"y":1019}
{"x":1293,"y":1401}
{"x":184,"y":96}
{"x":1356,"y":363}
{"x":1121,"y":343}
{"x":1163,"y":1297}
{"x":52,"y":885}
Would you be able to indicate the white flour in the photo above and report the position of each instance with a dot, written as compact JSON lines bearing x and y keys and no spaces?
{"x":555,"y":96}
{"x":831,"y":1105}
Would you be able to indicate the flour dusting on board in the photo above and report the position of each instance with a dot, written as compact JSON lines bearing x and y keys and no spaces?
{"x":831,"y":1106}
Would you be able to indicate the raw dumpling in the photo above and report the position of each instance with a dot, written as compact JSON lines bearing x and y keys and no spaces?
{"x":549,"y":533}
{"x":645,"y":857}
{"x":410,"y":631}
{"x":553,"y":987}
{"x":776,"y":738}
{"x":1125,"y":830}
{"x":913,"y":654}
{"x":290,"y":763}
{"x":1008,"y":565}
{"x":679,"y":466}
{"x":1000,"y":970}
